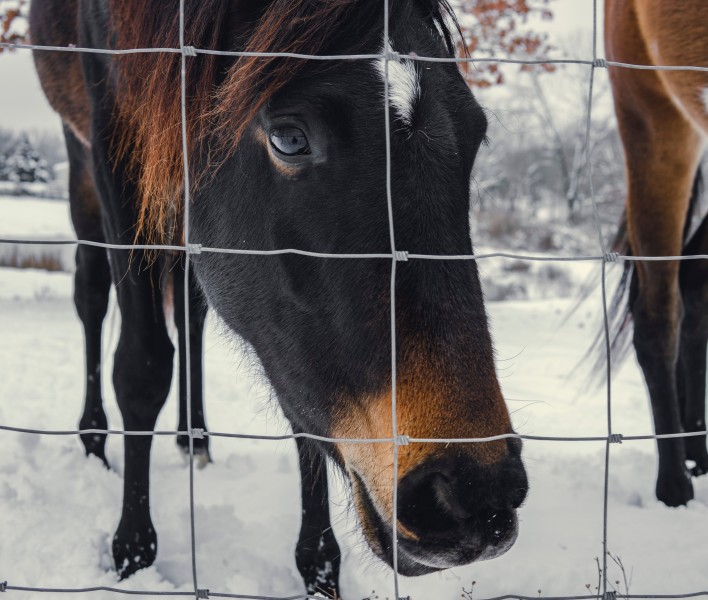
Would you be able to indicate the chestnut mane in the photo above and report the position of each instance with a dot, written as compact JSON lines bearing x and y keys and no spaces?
{"x":223,"y":94}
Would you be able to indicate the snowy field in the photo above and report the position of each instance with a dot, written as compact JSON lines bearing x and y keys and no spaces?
{"x":58,"y":509}
{"x":31,"y":218}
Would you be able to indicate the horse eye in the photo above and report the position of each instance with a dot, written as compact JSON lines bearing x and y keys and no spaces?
{"x":289,"y":141}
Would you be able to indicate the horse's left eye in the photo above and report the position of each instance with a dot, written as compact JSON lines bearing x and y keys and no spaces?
{"x":289,"y":141}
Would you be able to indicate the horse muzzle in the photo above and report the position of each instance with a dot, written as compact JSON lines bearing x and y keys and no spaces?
{"x":452,"y":511}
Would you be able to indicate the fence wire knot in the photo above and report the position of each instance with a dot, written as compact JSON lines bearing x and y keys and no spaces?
{"x":611,"y":257}
{"x":600,"y":63}
{"x":203,"y":594}
{"x":3,"y":586}
{"x":194,"y":248}
{"x":610,"y":595}
{"x":401,"y":255}
{"x":392,"y":55}
{"x":197,"y":433}
{"x":615,"y":438}
{"x":189,"y":50}
{"x":402,"y":440}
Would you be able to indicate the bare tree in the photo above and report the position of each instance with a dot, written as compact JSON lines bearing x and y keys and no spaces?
{"x":13,"y":21}
{"x":500,"y":28}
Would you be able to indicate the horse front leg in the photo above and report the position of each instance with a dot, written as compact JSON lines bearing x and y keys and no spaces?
{"x":662,"y":150}
{"x":197,"y":316}
{"x":142,"y":366}
{"x":142,"y":376}
{"x":659,"y":194}
{"x":657,"y":322}
{"x":317,"y":553}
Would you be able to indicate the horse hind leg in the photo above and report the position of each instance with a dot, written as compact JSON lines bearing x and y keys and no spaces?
{"x":663,"y":150}
{"x":92,"y":283}
{"x":197,"y":316}
{"x":691,"y":369}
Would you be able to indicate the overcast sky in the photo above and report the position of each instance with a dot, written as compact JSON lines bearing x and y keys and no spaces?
{"x":22,"y":104}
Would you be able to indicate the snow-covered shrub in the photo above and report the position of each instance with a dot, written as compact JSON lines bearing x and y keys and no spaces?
{"x":23,"y":164}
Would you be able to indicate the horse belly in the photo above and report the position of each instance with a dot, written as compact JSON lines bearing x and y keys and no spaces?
{"x":60,"y":74}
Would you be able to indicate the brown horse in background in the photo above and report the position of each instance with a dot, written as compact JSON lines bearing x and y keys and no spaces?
{"x":663,"y":123}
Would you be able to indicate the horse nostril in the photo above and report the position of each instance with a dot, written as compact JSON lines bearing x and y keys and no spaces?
{"x":518,"y":495}
{"x":426,"y":502}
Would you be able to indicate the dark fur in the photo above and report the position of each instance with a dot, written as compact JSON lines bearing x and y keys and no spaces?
{"x":321,"y":327}
{"x":224,"y":96}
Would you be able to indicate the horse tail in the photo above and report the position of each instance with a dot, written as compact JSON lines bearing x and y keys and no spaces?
{"x":619,"y":315}
{"x":618,"y":309}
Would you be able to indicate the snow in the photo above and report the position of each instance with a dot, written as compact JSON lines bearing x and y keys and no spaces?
{"x":39,"y":219}
{"x":58,"y":509}
{"x":31,"y":218}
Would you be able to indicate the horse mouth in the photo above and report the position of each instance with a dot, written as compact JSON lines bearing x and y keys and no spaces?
{"x":423,"y":555}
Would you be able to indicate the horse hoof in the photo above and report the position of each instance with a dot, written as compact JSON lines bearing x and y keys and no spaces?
{"x":701,"y":466}
{"x":319,"y":565}
{"x":133,"y":550}
{"x":696,"y":451}
{"x":676,"y":490}
{"x":699,"y":470}
{"x":95,"y":444}
{"x":202,"y":457}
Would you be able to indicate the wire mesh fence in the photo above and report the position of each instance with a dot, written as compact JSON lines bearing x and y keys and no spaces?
{"x":396,"y":255}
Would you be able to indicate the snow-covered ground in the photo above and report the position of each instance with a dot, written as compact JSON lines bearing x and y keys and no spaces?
{"x":24,"y":217}
{"x":58,"y":509}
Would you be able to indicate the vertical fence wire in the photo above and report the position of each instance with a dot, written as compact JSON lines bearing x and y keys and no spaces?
{"x":185,"y":290}
{"x":605,"y":317}
{"x":392,"y":237}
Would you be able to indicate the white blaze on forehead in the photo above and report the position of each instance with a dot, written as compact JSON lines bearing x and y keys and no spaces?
{"x":403,"y":86}
{"x":704,"y":96}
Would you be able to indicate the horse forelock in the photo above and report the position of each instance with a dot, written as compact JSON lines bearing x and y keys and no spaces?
{"x":220,"y":102}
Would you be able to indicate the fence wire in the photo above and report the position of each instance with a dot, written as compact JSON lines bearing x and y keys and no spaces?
{"x":192,"y":51}
{"x":395,"y":256}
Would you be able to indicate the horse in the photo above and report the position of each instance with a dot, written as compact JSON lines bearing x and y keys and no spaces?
{"x":663,"y":123}
{"x":287,"y":153}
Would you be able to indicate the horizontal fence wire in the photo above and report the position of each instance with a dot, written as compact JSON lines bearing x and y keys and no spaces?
{"x":395,"y":256}
{"x":201,"y":593}
{"x":401,"y":440}
{"x":399,"y":256}
{"x":191,"y":51}
{"x":205,"y":593}
{"x":209,"y":594}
